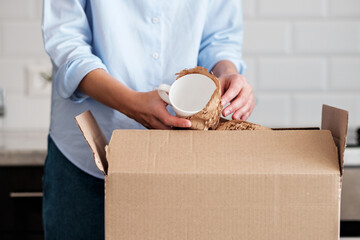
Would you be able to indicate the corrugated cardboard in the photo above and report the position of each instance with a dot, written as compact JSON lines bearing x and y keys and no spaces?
{"x":185,"y":184}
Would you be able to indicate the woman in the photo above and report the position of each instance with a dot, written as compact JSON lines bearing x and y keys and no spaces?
{"x":108,"y":57}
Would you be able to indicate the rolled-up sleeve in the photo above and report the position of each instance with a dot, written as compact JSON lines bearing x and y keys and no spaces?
{"x":222,"y":36}
{"x":67,"y":38}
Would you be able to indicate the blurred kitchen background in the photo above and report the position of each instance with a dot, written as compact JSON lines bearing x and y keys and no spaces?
{"x":300,"y":54}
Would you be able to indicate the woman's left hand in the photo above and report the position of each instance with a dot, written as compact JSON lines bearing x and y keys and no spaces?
{"x":236,"y":90}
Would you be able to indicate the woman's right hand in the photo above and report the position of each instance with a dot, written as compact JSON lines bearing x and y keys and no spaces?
{"x":150,"y":110}
{"x":145,"y":107}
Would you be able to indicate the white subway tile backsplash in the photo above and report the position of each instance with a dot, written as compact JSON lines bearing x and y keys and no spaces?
{"x":13,"y":9}
{"x":326,"y":36}
{"x":1,"y":51}
{"x":25,"y":112}
{"x":307,"y":107}
{"x":357,"y":113}
{"x":266,"y":37}
{"x":250,"y":73}
{"x":272,"y":110}
{"x":344,"y":73}
{"x":249,"y":8}
{"x":291,"y":8}
{"x":22,"y":39}
{"x":38,"y":5}
{"x":358,"y":38}
{"x":345,"y":8}
{"x":12,"y":75}
{"x":15,"y":140}
{"x":287,"y":73}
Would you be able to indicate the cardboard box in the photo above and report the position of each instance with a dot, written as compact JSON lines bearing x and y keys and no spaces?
{"x":193,"y":185}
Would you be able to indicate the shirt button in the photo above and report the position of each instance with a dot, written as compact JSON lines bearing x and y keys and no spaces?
{"x":155,"y":55}
{"x":155,"y":20}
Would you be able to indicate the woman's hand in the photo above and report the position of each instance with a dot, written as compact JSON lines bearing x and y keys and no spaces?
{"x":234,"y":90}
{"x":145,"y":107}
{"x":150,"y":110}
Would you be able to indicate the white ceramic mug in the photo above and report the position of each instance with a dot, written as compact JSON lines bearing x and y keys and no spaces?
{"x":189,"y":94}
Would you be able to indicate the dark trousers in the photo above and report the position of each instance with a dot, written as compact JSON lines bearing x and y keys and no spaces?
{"x":73,"y":202}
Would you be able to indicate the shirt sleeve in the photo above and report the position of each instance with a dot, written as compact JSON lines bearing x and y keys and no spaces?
{"x":67,"y":38}
{"x":222,"y":36}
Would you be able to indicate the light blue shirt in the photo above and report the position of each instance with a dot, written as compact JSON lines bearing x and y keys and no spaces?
{"x":142,"y":43}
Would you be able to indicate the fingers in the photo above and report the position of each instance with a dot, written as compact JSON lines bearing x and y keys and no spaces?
{"x":243,"y":98}
{"x":246,"y":116}
{"x":223,"y":84}
{"x":244,"y":112}
{"x":156,"y":116}
{"x":166,"y":121}
{"x":241,"y":112}
{"x":171,"y":121}
{"x":151,"y":122}
{"x":157,"y":124}
{"x":232,"y":91}
{"x":240,"y":101}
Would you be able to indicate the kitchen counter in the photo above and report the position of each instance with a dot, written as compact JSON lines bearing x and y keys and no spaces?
{"x":22,"y":157}
{"x":23,"y":148}
{"x":11,"y":140}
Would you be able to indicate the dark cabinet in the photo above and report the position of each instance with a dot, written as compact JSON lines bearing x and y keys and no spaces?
{"x":350,"y":202}
{"x":20,"y":202}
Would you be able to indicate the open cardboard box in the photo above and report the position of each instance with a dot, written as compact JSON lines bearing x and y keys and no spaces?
{"x":184,"y":184}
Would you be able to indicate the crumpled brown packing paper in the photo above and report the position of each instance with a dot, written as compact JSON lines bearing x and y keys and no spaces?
{"x":239,"y":125}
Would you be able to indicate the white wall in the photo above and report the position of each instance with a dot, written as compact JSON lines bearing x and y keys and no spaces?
{"x":300,"y":54}
{"x":21,"y":46}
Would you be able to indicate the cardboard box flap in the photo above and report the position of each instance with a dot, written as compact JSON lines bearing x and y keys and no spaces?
{"x":222,"y":152}
{"x":336,"y":120}
{"x":95,"y":138}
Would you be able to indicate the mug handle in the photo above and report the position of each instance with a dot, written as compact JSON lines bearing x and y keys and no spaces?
{"x":163,"y":91}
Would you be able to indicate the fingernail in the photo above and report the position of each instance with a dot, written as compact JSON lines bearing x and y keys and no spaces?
{"x":188,"y":124}
{"x":223,"y":102}
{"x":226,"y":112}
